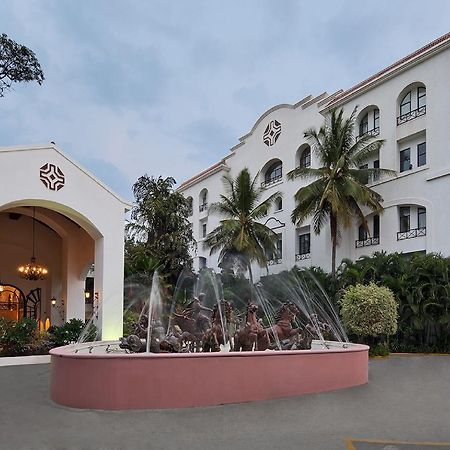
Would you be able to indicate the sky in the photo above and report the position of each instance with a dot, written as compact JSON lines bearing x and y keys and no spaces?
{"x":168,"y":87}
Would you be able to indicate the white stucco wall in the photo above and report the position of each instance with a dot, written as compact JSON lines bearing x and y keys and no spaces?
{"x":427,"y":186}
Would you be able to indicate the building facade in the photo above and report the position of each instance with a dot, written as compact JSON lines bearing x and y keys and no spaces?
{"x":408,"y":105}
{"x":55,"y":210}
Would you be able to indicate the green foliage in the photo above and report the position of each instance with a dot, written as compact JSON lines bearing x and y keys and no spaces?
{"x":381,"y":349}
{"x":240,"y":235}
{"x":17,"y":64}
{"x":16,"y":337}
{"x":339,"y":190}
{"x":369,"y":310}
{"x":159,"y":234}
{"x":70,"y":332}
{"x":130,"y":318}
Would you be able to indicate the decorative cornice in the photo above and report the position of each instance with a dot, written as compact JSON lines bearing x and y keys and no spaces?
{"x":219,"y":166}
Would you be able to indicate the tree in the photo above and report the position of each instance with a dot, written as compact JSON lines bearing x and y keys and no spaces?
{"x":159,"y":229}
{"x":239,"y":233}
{"x":17,"y":64}
{"x":340,"y":188}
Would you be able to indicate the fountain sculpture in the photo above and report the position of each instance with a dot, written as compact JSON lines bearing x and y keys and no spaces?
{"x":297,"y":334}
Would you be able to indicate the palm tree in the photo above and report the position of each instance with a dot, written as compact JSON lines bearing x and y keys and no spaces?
{"x":240,"y":233}
{"x":340,"y":189}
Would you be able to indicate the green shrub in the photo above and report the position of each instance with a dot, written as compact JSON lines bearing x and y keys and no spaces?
{"x":130,"y":319}
{"x":16,"y":338}
{"x":70,"y":332}
{"x":369,"y":310}
{"x":379,"y":350}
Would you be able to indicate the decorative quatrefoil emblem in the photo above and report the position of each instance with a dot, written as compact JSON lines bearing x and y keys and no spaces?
{"x":272,"y":133}
{"x":52,"y":177}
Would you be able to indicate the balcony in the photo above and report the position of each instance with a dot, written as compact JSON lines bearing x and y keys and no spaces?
{"x":203,"y":207}
{"x":274,"y":262}
{"x":272,"y":181}
{"x":302,"y":256}
{"x":410,"y":234}
{"x":374,"y":132}
{"x":367,"y":242}
{"x":411,"y":115}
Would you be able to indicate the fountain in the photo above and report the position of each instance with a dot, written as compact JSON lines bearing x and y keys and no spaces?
{"x":210,"y":347}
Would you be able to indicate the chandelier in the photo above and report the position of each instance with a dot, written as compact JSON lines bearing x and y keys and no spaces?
{"x":33,"y":271}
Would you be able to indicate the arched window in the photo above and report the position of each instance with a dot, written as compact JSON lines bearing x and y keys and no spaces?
{"x":405,"y":104}
{"x":279,"y":204}
{"x":421,"y":97}
{"x":203,"y":198}
{"x":305,"y":157}
{"x":274,"y":173}
{"x":364,"y":125}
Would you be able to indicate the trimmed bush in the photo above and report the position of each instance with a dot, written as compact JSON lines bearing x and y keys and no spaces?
{"x":16,"y":338}
{"x":369,"y":310}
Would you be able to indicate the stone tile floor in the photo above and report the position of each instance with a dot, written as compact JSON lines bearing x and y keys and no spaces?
{"x":407,"y":400}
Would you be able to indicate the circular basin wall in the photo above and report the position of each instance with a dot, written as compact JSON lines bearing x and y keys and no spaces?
{"x":174,"y":380}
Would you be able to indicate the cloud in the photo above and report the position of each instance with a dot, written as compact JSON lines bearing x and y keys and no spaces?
{"x":165,"y":88}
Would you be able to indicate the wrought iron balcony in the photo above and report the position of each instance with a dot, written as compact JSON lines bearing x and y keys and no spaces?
{"x":271,"y":181}
{"x":412,"y":233}
{"x":403,"y":118}
{"x":273,"y":262}
{"x":203,"y":207}
{"x":374,"y":132}
{"x":367,"y":242}
{"x":302,"y":256}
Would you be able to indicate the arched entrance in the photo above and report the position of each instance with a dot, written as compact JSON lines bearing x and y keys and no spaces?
{"x":79,"y":223}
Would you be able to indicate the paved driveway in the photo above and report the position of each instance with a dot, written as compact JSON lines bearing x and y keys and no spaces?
{"x":407,"y":401}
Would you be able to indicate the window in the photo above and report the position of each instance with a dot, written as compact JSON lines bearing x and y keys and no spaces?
{"x":305,"y":158}
{"x":405,"y":160}
{"x":376,"y":165}
{"x":405,"y":104}
{"x":421,"y":217}
{"x":376,"y":226}
{"x":205,"y":197}
{"x":204,"y":230}
{"x":404,"y":219}
{"x":421,"y":97}
{"x":421,"y":154}
{"x":279,"y":254}
{"x":279,"y":204}
{"x":274,"y":172}
{"x":201,"y":262}
{"x":362,"y":233}
{"x":190,"y":206}
{"x":364,"y":125}
{"x":376,"y":119}
{"x":304,"y":244}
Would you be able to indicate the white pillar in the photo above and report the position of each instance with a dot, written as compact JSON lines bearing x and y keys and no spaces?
{"x":108,"y":286}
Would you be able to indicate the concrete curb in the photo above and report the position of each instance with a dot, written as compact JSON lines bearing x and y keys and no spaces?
{"x":24,"y":360}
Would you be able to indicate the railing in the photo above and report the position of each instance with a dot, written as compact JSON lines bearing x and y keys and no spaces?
{"x":203,"y":207}
{"x":413,"y":233}
{"x":273,"y":262}
{"x":367,"y":242}
{"x":374,"y":132}
{"x":411,"y":115}
{"x":302,"y":256}
{"x":271,"y":181}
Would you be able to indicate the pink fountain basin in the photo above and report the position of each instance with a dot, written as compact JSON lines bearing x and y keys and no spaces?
{"x":118,"y":381}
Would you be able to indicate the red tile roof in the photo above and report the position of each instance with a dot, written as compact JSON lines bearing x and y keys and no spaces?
{"x":400,"y":62}
{"x":202,"y":174}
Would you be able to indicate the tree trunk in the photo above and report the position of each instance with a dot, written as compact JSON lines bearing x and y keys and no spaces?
{"x":250,"y":273}
{"x":333,"y":227}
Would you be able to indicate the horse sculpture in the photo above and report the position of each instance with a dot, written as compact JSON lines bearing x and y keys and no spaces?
{"x":246,"y":338}
{"x":218,"y":334}
{"x":282,"y":333}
